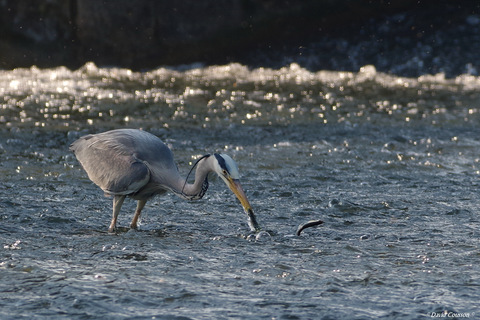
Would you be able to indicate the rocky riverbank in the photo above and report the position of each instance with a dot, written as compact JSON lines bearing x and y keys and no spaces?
{"x":403,"y":37}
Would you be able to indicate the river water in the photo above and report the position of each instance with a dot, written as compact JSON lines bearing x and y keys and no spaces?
{"x":390,"y":164}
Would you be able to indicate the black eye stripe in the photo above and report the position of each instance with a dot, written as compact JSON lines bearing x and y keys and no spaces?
{"x":221,"y":162}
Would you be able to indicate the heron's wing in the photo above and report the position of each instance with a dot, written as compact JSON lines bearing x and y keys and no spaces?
{"x":111,"y":164}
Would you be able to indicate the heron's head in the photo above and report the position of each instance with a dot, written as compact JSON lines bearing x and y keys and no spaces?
{"x":227,"y":169}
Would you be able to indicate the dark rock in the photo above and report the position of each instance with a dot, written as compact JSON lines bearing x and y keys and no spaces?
{"x":406,"y":37}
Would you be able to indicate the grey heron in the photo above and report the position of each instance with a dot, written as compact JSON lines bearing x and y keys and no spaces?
{"x":137,"y":164}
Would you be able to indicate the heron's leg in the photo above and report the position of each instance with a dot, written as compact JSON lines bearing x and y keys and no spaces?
{"x":117,"y":204}
{"x":138,"y":211}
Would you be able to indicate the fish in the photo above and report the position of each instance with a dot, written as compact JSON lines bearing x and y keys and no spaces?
{"x":311,"y":223}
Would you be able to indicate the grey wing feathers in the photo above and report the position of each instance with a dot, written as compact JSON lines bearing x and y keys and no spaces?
{"x":111,"y":163}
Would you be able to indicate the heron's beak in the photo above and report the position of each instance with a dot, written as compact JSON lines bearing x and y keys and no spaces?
{"x":237,"y":189}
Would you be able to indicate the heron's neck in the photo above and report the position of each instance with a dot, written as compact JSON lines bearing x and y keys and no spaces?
{"x":199,"y":187}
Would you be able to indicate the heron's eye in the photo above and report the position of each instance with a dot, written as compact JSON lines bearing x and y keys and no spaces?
{"x":225,"y":172}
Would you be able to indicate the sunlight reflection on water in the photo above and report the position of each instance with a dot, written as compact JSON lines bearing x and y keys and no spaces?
{"x":233,"y":93}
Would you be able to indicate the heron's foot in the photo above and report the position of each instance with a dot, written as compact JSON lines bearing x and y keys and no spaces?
{"x":118,"y":230}
{"x":113,"y":227}
{"x":133,"y":226}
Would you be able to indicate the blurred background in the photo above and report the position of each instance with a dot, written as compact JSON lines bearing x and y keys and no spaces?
{"x":402,"y":37}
